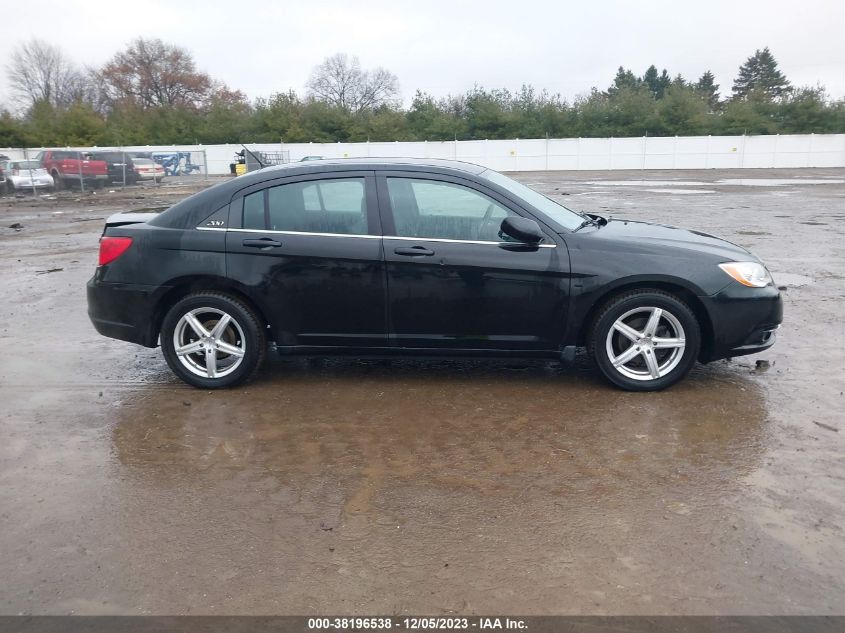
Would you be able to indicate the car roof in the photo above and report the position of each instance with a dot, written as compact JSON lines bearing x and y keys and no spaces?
{"x":331,"y":164}
{"x":191,"y":211}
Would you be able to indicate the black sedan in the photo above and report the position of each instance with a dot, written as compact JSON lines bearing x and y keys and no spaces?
{"x":407,"y":257}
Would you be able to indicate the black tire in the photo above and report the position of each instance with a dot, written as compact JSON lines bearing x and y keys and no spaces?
{"x":635,"y":309}
{"x":245,"y":331}
{"x":58,"y":183}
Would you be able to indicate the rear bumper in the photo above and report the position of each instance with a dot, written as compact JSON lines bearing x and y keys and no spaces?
{"x":38,"y":183}
{"x":744,"y":321}
{"x":123,"y":311}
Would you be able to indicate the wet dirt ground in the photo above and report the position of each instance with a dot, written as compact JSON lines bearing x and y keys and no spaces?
{"x":428,"y":487}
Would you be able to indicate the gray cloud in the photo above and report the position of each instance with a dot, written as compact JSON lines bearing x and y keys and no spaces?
{"x":446,"y":47}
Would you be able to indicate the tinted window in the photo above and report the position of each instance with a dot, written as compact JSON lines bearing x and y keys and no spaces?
{"x":429,"y":208}
{"x":324,"y":206}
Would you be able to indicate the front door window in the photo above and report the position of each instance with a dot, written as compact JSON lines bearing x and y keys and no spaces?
{"x":443,"y":210}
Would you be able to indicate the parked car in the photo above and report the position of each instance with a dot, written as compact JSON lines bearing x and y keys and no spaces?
{"x":408,"y":257}
{"x":73,"y":169}
{"x":120,"y":167}
{"x":148,"y":169}
{"x":25,"y":175}
{"x":305,"y":159}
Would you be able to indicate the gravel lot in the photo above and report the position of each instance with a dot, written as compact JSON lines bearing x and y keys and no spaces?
{"x":428,"y":487}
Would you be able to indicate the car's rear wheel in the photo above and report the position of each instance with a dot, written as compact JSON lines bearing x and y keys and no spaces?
{"x":212,"y":340}
{"x":58,"y":183}
{"x":645,"y":340}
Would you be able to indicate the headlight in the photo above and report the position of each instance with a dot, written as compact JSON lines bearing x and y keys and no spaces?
{"x":749,"y":274}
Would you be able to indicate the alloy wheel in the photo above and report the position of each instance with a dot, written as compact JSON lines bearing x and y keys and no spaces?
{"x":209,"y":342}
{"x":645,"y":343}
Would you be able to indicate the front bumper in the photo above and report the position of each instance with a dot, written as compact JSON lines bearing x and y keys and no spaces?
{"x":123,"y":311}
{"x":744,"y":321}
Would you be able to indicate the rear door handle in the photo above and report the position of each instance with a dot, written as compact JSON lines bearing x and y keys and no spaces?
{"x":262,"y":243}
{"x":413,"y":251}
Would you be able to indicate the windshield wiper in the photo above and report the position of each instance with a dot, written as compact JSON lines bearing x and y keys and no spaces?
{"x":587,"y":222}
{"x":589,"y":219}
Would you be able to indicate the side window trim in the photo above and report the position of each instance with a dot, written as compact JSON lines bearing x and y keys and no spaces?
{"x":389,"y":225}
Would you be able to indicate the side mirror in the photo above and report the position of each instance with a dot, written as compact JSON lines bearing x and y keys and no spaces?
{"x":521,"y":229}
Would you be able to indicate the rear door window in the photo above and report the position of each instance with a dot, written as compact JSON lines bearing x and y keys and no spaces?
{"x":315,"y":206}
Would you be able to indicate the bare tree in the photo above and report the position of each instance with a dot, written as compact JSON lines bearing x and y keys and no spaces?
{"x":38,"y":71}
{"x":151,"y":73}
{"x":341,"y":82}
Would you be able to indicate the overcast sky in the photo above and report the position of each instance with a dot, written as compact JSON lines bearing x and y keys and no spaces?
{"x":446,"y":47}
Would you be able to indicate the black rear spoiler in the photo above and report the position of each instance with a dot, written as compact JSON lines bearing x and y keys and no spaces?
{"x":122,"y":219}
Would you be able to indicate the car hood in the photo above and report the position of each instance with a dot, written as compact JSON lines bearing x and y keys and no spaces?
{"x":631,"y":235}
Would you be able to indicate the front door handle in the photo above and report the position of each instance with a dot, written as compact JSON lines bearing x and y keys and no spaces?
{"x":413,"y":251}
{"x":262,"y":243}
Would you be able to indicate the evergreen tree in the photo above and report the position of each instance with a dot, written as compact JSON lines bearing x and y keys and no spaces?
{"x":624,"y":79}
{"x":707,"y":87}
{"x":651,"y":80}
{"x":663,"y":83}
{"x":760,"y":72}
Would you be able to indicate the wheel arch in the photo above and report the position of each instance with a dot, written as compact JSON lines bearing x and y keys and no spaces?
{"x":181,"y":287}
{"x":676,"y":287}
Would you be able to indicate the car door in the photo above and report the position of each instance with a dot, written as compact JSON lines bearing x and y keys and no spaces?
{"x":455,"y":283}
{"x":309,"y":250}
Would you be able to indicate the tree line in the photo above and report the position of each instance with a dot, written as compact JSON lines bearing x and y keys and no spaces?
{"x":152,"y":93}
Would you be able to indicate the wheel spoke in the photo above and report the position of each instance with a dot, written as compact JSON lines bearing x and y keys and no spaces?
{"x":651,"y":363}
{"x":226,"y":348}
{"x":211,"y":362}
{"x":220,"y":327}
{"x":663,"y":343}
{"x":653,"y":321}
{"x":190,"y":348}
{"x":627,"y":331}
{"x":626,"y":356}
{"x":196,"y":326}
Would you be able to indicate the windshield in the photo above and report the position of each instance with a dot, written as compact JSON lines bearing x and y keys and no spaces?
{"x":26,"y":164}
{"x":557,"y":213}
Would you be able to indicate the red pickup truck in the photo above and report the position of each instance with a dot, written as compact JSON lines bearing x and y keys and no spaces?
{"x":69,"y":168}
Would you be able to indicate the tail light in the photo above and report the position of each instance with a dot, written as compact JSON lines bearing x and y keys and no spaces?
{"x":113,"y":247}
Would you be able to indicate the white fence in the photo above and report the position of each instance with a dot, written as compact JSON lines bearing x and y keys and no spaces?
{"x":683,"y":152}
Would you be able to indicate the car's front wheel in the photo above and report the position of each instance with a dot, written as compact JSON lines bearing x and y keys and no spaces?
{"x":212,"y":340}
{"x":645,"y":340}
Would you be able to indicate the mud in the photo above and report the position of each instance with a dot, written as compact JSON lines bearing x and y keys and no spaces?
{"x":428,"y":487}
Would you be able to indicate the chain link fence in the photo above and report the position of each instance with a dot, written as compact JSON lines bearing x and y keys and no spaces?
{"x":45,"y":170}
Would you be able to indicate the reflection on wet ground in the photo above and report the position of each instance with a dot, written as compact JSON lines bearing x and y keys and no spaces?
{"x":426,"y":486}
{"x":437,"y":471}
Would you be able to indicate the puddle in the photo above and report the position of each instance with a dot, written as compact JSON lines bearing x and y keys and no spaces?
{"x":649,"y":183}
{"x":778,"y":182}
{"x":791,"y":280}
{"x":740,"y":182}
{"x":683,"y":192}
